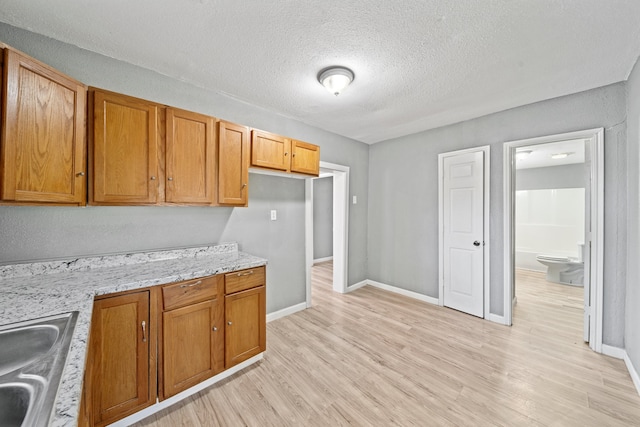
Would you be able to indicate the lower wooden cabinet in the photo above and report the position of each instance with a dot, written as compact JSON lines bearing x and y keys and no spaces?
{"x":245,"y":315}
{"x":192,"y":335}
{"x":158,"y":342}
{"x":120,"y":372}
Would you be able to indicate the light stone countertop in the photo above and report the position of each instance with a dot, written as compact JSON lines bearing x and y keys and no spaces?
{"x":30,"y":291}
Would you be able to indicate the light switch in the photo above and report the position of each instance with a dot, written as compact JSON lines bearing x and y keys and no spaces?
{"x":355,"y":200}
{"x":274,"y":215}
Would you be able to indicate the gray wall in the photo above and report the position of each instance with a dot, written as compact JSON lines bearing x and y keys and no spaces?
{"x":403,"y":193}
{"x":632,"y":312}
{"x":32,"y":233}
{"x":565,"y":176}
{"x":322,"y":217}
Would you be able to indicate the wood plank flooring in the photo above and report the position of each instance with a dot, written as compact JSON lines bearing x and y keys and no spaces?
{"x":374,"y":358}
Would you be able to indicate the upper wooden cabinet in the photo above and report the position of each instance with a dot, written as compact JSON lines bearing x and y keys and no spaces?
{"x":233,"y":164}
{"x":270,"y":151}
{"x":123,"y":149}
{"x":42,"y":142}
{"x":276,"y":152}
{"x":305,"y":158}
{"x":190,"y":157}
{"x":135,"y":160}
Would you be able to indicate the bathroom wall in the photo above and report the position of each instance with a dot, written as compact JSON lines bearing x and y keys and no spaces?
{"x":539,"y":230}
{"x":549,"y":222}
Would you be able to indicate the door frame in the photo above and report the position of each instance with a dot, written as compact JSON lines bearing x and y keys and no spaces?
{"x":597,"y":224}
{"x":340,"y":175}
{"x":486,"y":207}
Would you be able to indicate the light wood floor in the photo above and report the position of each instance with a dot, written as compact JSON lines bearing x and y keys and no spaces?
{"x":374,"y":358}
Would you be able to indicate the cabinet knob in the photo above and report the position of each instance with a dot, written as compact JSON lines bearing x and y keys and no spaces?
{"x":215,"y":328}
{"x":169,"y":179}
{"x":293,"y":154}
{"x":153,"y":178}
{"x":80,"y":174}
{"x":229,"y":323}
{"x":286,"y":154}
{"x":244,"y":185}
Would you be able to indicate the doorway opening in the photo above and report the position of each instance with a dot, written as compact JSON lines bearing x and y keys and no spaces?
{"x":553,"y":221}
{"x":340,"y":219}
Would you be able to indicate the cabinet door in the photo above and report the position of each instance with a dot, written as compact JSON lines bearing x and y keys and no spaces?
{"x":305,"y":158}
{"x":270,"y":151}
{"x":43,"y":146}
{"x":192,"y":345}
{"x":190,"y":157}
{"x":233,"y":164}
{"x":245,"y":329}
{"x":119,"y":357}
{"x":124,"y":150}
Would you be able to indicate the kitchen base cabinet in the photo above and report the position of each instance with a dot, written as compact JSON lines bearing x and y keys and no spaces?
{"x":161,"y":341}
{"x":245,"y":315}
{"x":120,"y":371}
{"x":192,"y":345}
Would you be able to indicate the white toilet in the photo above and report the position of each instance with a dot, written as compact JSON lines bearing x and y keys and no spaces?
{"x":565,"y":270}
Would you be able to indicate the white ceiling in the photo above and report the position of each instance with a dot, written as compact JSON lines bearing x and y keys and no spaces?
{"x":540,"y":155}
{"x":419,"y":64}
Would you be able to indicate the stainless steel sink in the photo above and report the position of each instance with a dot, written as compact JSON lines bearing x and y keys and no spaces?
{"x":15,"y":399}
{"x":32,"y":358}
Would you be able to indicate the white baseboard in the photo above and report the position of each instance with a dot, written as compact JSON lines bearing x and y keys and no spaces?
{"x":617,"y":352}
{"x":286,"y":311}
{"x":325,"y":259}
{"x":395,"y":289}
{"x":356,"y":286}
{"x":134,"y":418}
{"x":632,"y":372}
{"x":621,"y":353}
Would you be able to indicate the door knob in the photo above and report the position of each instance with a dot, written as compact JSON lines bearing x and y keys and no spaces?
{"x":476,"y":243}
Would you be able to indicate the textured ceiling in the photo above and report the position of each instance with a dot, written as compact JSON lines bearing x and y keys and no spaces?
{"x":419,"y":64}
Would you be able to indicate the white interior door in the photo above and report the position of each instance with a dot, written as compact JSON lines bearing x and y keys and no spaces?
{"x":463,"y":232}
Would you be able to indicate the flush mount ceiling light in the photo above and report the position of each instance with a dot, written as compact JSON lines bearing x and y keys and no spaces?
{"x":335,"y":79}
{"x":560,"y":155}
{"x":521,"y":155}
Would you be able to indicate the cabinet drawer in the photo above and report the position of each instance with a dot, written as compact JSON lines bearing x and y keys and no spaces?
{"x":243,"y":279}
{"x":190,"y":291}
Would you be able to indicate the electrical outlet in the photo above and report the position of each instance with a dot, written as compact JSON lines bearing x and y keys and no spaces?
{"x":355,"y":200}
{"x":274,"y":215}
